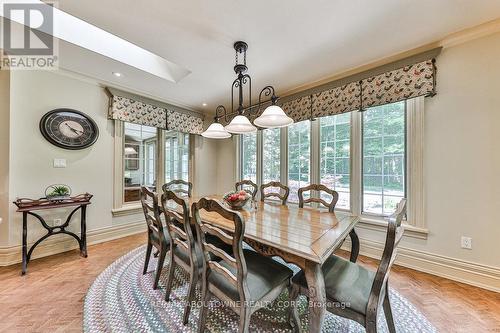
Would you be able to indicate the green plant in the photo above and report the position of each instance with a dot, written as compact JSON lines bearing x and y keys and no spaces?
{"x":59,"y":191}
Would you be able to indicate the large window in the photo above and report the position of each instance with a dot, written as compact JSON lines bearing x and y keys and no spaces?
{"x":139,"y":157}
{"x":249,"y":157}
{"x":299,"y":142}
{"x":365,"y":156}
{"x":384,"y":157}
{"x":176,"y":156}
{"x":335,"y":156}
{"x":271,"y":155}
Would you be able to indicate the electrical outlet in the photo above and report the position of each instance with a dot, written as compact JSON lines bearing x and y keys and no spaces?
{"x":466,"y":243}
{"x":59,"y":162}
{"x":57,"y":222}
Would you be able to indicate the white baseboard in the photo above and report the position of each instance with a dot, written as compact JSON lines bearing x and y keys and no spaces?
{"x":478,"y":275}
{"x":12,"y":255}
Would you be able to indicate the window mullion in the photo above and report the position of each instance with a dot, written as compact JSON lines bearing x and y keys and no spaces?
{"x":314,"y":159}
{"x":356,"y":163}
{"x":284,"y":156}
{"x":160,"y":159}
{"x":259,"y":141}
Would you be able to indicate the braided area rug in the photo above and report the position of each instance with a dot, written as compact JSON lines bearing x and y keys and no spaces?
{"x":121,"y":299}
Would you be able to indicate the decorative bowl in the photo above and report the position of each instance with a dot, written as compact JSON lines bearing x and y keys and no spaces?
{"x":237,"y":199}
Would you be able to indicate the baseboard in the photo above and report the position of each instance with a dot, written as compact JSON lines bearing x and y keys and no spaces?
{"x":483,"y":276}
{"x":12,"y":255}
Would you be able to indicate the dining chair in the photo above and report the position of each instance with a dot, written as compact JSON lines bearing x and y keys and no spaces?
{"x":179,"y":186}
{"x":362,"y":291}
{"x":245,"y":280}
{"x":331,"y":207}
{"x":157,"y":236}
{"x":248,"y":186}
{"x":184,"y":251}
{"x":282,"y":194}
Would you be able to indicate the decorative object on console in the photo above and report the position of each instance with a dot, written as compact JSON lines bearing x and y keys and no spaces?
{"x":272,"y":117}
{"x":69,"y":129}
{"x":57,"y":192}
{"x":237,"y":199}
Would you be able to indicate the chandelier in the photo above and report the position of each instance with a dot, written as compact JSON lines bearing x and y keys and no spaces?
{"x":272,"y":117}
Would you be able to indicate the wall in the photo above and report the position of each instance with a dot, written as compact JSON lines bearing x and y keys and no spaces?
{"x":461,"y":167}
{"x":32,"y":94}
{"x":4,"y":155}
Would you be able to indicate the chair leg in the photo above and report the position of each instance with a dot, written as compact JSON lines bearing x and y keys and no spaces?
{"x":161,"y":260}
{"x":371,"y":327}
{"x":244,"y":319}
{"x":388,"y":312}
{"x":193,"y":281}
{"x":205,"y":297}
{"x":293,"y":313}
{"x":170,"y":278}
{"x":354,"y":245}
{"x":148,"y":255}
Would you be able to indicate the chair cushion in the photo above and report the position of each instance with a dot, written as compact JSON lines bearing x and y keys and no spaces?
{"x":264,"y":274}
{"x":344,"y":282}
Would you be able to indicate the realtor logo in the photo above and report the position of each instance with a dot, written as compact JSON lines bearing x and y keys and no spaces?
{"x":27,"y":36}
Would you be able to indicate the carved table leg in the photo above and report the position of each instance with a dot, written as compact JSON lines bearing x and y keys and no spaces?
{"x":354,"y":245}
{"x":83,"y":236}
{"x":317,"y":296}
{"x":25,"y":232}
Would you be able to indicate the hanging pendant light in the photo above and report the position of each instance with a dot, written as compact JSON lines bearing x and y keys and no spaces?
{"x":273,"y":116}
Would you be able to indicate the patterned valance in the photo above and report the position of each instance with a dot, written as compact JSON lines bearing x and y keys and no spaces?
{"x":407,"y":82}
{"x":144,"y":111}
{"x":129,"y":110}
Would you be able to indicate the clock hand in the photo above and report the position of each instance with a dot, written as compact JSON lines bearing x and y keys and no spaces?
{"x":73,"y":129}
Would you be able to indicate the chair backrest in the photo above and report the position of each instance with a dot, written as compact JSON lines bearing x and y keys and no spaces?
{"x":235,"y":239}
{"x":149,"y":202}
{"x":178,"y":223}
{"x":395,"y":230}
{"x":248,"y":186}
{"x":282,"y":194}
{"x":178,"y":186}
{"x":320,"y":188}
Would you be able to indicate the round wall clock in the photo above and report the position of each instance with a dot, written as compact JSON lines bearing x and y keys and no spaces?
{"x":69,"y":129}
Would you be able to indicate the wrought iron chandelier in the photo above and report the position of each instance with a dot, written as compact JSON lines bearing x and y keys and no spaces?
{"x":272,"y":117}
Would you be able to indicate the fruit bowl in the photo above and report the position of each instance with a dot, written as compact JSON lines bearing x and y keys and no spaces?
{"x":236,"y":199}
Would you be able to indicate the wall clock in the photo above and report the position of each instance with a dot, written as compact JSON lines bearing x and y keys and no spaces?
{"x":69,"y":129}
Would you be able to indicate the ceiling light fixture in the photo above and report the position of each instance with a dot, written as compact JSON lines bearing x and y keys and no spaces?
{"x":204,"y":104}
{"x":272,"y":117}
{"x":117,"y":74}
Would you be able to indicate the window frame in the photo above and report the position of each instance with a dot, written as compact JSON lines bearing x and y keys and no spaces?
{"x":120,"y":207}
{"x":414,"y":139}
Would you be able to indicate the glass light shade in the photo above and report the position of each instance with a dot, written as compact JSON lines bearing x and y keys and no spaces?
{"x":216,"y":131}
{"x":239,"y":125}
{"x":273,"y":116}
{"x":130,"y":151}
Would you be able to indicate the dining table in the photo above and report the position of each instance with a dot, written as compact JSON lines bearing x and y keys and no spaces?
{"x":305,"y":237}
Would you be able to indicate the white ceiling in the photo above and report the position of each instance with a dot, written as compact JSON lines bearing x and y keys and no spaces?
{"x":291,"y":42}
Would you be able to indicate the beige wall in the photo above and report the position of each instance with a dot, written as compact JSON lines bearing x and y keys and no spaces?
{"x":90,"y":170}
{"x":4,"y":155}
{"x":461,"y":156}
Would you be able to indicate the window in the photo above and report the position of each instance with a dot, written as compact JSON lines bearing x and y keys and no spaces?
{"x":249,"y":156}
{"x":139,"y":156}
{"x":271,"y":155}
{"x":299,"y":142}
{"x":384,"y":158}
{"x":176,"y":156}
{"x":335,"y":156}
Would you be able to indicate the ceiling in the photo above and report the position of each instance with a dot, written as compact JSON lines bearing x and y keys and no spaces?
{"x":291,"y":42}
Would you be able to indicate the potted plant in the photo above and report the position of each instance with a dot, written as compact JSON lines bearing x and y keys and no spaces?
{"x":57,"y":192}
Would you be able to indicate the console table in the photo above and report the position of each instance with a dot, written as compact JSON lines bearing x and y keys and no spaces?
{"x":28,"y":206}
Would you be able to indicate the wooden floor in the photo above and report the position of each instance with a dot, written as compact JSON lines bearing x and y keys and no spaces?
{"x":50,"y":297}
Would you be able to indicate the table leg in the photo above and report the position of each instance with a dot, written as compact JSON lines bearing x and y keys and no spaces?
{"x":317,"y":296}
{"x":83,"y":230}
{"x":25,"y":241}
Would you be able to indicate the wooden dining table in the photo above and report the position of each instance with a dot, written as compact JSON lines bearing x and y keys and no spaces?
{"x":305,"y":237}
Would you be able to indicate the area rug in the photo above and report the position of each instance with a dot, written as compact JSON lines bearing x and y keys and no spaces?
{"x":121,"y":299}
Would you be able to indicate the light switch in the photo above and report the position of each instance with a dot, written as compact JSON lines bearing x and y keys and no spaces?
{"x":59,"y":162}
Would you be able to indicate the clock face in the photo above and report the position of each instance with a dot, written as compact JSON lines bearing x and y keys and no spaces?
{"x":69,"y":129}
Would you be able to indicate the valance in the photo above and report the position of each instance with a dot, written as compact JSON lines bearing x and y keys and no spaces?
{"x":140,"y":110}
{"x":409,"y":81}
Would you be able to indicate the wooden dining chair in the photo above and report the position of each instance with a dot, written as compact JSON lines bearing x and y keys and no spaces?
{"x":184,"y":251}
{"x":248,"y":186}
{"x":331,"y":207}
{"x":157,"y":236}
{"x":282,"y":194}
{"x":179,"y":186}
{"x":245,"y":280}
{"x":363,"y":291}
